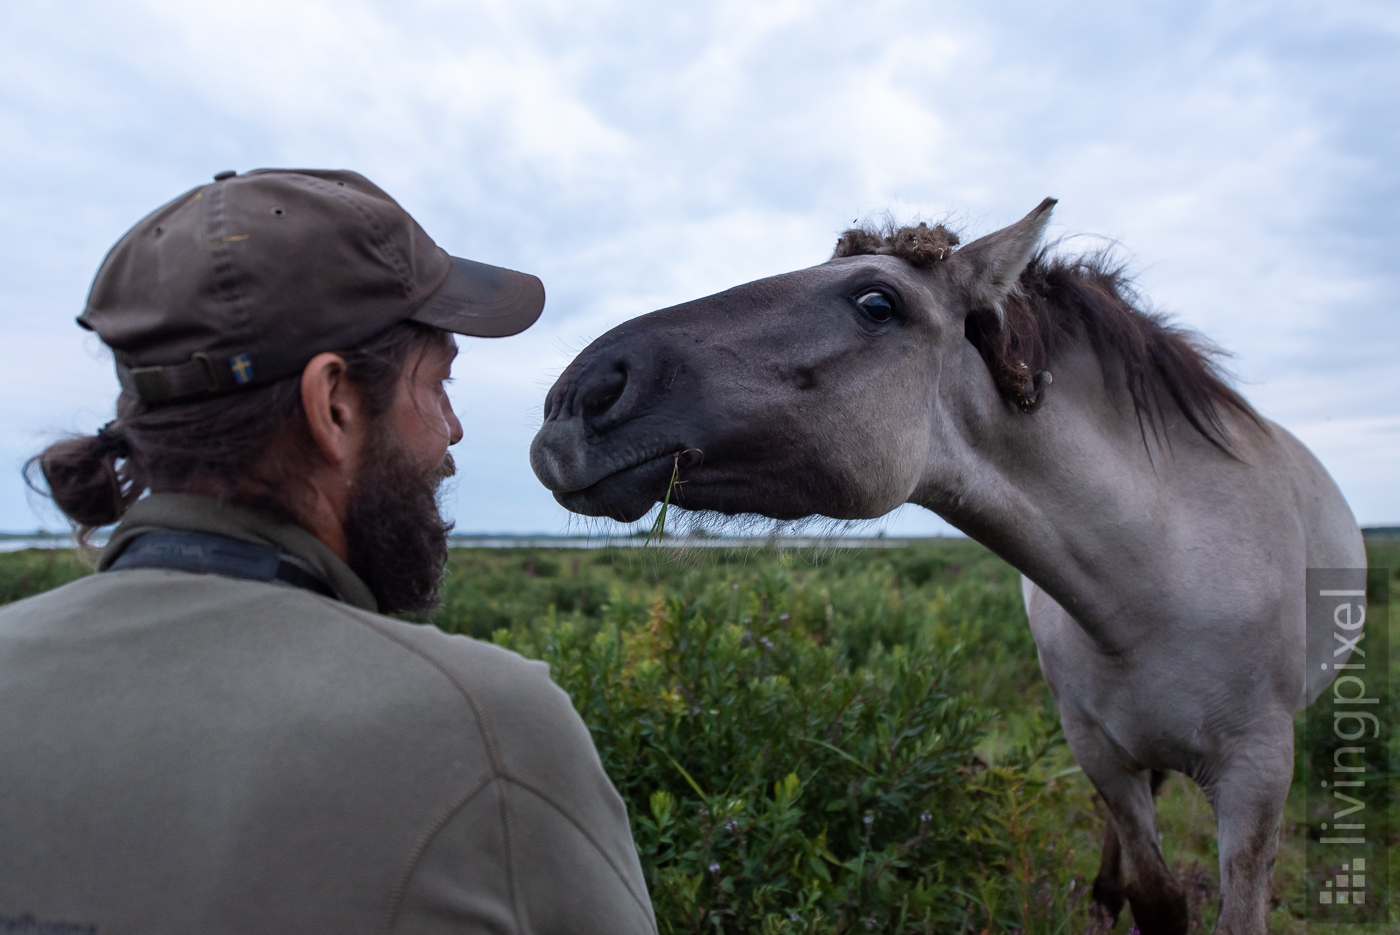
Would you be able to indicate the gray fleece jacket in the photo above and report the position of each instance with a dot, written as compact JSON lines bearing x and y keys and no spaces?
{"x":186,"y":753}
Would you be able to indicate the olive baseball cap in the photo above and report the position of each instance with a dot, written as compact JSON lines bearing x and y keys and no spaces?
{"x":242,"y":281}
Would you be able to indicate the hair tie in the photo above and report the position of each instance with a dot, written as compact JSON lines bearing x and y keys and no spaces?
{"x":114,"y":440}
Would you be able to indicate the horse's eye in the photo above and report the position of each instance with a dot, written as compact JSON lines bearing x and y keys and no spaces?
{"x":876,"y":305}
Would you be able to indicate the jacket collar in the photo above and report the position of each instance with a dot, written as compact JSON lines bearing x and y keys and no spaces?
{"x":209,"y":515}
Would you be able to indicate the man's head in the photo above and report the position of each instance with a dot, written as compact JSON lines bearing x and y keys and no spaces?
{"x":372,"y":443}
{"x":282,"y":340}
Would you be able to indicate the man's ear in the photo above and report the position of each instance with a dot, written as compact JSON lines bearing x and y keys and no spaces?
{"x":989,"y":267}
{"x":334,"y":409}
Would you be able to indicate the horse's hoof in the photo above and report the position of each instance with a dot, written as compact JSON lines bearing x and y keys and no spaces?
{"x":1159,"y":912}
{"x":1108,"y":897}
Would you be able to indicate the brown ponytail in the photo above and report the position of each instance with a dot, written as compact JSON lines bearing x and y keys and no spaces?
{"x":92,"y":478}
{"x":222,"y":446}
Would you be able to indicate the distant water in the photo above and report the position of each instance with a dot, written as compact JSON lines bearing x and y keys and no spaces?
{"x":675,"y":542}
{"x":16,"y":543}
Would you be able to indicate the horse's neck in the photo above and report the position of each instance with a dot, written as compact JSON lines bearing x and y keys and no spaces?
{"x":1070,"y":495}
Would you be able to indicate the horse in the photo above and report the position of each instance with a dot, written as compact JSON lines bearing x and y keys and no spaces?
{"x":1162,"y":526}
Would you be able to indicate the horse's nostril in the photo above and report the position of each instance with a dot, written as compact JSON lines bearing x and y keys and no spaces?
{"x":603,"y":394}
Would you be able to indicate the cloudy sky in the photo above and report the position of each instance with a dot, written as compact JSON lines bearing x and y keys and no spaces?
{"x":635,"y":155}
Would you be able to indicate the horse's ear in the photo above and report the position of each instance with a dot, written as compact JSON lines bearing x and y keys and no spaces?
{"x":989,"y":266}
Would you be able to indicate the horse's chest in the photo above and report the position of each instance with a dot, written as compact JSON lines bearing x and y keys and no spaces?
{"x":1174,"y":699}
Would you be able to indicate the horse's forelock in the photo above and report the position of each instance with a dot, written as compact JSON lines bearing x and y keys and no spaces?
{"x":921,"y":245}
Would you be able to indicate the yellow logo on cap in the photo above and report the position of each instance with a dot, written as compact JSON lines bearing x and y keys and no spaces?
{"x":242,"y":368}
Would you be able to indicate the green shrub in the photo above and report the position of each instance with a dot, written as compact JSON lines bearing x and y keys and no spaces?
{"x":31,"y":571}
{"x":783,"y":779}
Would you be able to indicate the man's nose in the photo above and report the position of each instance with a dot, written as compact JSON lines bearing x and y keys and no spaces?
{"x":454,"y":425}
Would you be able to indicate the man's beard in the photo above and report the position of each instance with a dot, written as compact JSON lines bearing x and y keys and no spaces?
{"x":395,"y":535}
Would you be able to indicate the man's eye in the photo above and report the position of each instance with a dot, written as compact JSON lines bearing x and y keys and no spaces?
{"x":876,"y":305}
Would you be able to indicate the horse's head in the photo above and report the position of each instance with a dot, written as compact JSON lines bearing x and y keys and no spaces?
{"x":823,"y":391}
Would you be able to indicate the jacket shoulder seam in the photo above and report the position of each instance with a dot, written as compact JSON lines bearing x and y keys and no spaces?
{"x":488,"y":737}
{"x":642,"y":902}
{"x":483,"y":722}
{"x":396,"y":897}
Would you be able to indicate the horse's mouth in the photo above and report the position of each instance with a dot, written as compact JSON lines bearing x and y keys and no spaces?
{"x":625,"y":495}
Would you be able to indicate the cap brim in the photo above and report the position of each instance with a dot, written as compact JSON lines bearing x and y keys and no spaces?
{"x":483,"y":301}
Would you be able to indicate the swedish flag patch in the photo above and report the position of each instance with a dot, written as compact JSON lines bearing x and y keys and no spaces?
{"x":242,"y":368}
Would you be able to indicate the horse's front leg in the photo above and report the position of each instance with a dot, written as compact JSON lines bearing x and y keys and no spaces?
{"x":1248,"y":792}
{"x":1130,"y":841}
{"x":1108,"y":884}
{"x":1158,"y":902}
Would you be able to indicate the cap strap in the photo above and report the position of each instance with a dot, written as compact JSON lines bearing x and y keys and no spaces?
{"x":200,"y":375}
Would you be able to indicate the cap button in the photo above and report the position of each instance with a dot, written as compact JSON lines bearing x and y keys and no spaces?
{"x":226,"y":174}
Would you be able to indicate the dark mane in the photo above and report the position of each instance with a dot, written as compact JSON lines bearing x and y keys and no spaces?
{"x":1066,"y":298}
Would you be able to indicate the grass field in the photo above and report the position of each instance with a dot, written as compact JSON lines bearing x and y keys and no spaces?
{"x":821,"y":741}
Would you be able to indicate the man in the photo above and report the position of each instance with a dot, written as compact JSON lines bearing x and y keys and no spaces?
{"x":219,"y":732}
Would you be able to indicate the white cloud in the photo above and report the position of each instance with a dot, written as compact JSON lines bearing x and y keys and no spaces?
{"x":638,"y":155}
